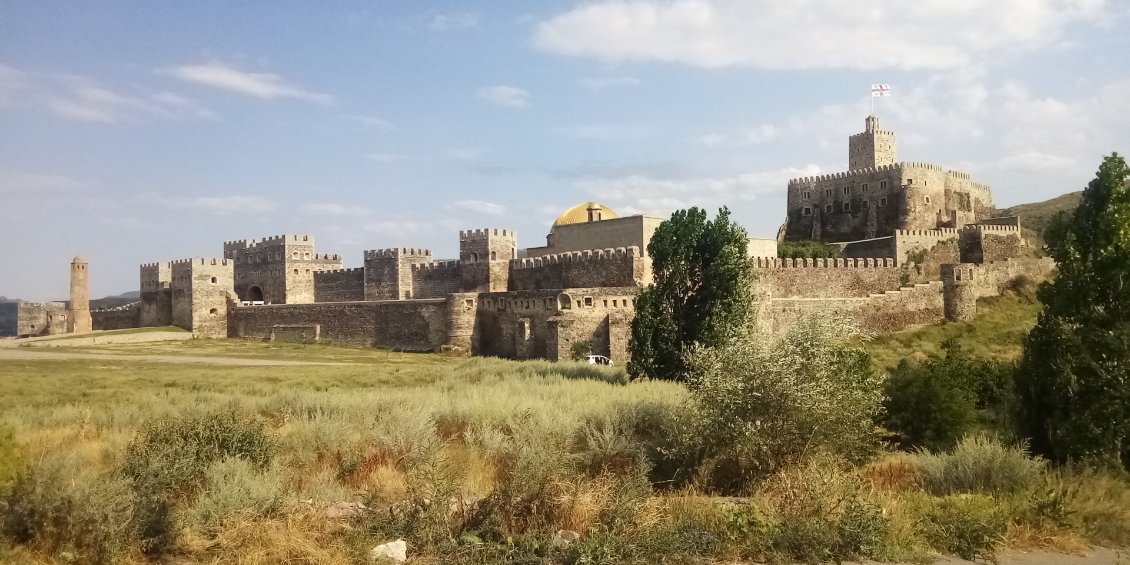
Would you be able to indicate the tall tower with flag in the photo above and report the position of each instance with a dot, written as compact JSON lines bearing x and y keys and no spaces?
{"x":874,"y":147}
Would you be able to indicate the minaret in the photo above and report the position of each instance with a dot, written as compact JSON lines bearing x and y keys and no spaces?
{"x":872,"y":148}
{"x":78,"y":320}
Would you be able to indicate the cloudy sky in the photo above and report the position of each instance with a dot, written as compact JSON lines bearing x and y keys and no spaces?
{"x":138,"y":131}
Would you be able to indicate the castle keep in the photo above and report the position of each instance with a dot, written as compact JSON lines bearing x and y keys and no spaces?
{"x":918,"y":245}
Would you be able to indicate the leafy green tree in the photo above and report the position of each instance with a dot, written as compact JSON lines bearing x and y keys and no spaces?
{"x":933,"y":404}
{"x":1074,"y":380}
{"x":701,"y":293}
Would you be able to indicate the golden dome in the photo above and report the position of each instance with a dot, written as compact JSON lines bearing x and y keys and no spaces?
{"x":585,"y":212}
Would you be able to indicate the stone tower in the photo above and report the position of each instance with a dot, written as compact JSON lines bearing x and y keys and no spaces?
{"x":872,"y":148}
{"x":78,"y":319}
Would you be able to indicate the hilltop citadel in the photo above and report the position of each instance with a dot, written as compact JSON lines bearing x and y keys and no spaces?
{"x":918,"y":243}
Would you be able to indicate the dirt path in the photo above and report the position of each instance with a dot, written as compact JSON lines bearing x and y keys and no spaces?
{"x":26,"y":354}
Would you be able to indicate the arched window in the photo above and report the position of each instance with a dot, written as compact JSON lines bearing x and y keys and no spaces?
{"x":493,"y":255}
{"x":214,"y":280}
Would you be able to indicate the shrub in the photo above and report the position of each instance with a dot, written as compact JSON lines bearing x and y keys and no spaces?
{"x":170,"y":457}
{"x":61,"y":510}
{"x":761,"y":404}
{"x":807,"y":250}
{"x":971,"y":527}
{"x":236,"y":487}
{"x":935,"y":403}
{"x":822,"y":514}
{"x":580,"y":350}
{"x":979,"y":464}
{"x":9,"y":456}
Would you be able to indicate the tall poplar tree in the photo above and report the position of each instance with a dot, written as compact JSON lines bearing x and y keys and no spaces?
{"x":1074,"y":379}
{"x":701,"y":292}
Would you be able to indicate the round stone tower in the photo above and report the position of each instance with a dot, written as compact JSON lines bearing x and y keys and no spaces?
{"x":79,"y":319}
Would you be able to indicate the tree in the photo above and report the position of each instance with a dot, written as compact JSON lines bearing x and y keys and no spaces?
{"x":1074,"y":380}
{"x":701,"y":292}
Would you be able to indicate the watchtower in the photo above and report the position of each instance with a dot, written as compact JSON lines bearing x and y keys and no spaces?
{"x":874,"y":147}
{"x":484,"y":258}
{"x":78,"y":320}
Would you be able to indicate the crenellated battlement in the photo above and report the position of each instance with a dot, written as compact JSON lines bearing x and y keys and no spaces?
{"x":608,"y":254}
{"x":943,"y":233}
{"x":198,"y":261}
{"x":450,"y":264}
{"x":870,"y":133}
{"x":487,"y":232}
{"x":267,"y":241}
{"x":339,"y":271}
{"x":845,"y":174}
{"x":959,"y":175}
{"x":394,"y":252}
{"x":327,"y":257}
{"x":823,"y":263}
{"x":992,"y":228}
{"x":154,"y":265}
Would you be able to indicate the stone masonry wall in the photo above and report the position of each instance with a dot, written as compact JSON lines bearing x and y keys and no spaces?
{"x":827,"y":278}
{"x":413,"y":325}
{"x":41,"y":318}
{"x":544,"y":324}
{"x":886,"y":312}
{"x":435,"y":280}
{"x":346,"y":285}
{"x":987,"y":243}
{"x":621,"y":267}
{"x":9,"y":318}
{"x":120,"y":318}
{"x":156,"y":295}
{"x":964,"y":283}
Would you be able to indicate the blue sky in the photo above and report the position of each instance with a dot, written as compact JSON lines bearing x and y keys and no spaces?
{"x":133,"y":132}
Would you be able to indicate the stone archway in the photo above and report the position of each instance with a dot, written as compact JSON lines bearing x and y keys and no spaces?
{"x":255,"y":294}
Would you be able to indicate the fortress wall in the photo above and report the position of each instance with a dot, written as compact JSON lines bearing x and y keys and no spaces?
{"x":827,"y":278}
{"x":41,"y":318}
{"x":871,"y":184}
{"x":201,"y":292}
{"x":483,"y":276}
{"x":924,"y":196}
{"x":412,"y":325}
{"x":622,"y":267}
{"x":964,"y":283}
{"x":388,"y":272}
{"x":910,"y":241}
{"x":887,"y":312}
{"x":987,"y":243}
{"x":1003,"y":221}
{"x":436,"y":279}
{"x":9,"y":318}
{"x":544,"y":324}
{"x":156,"y":308}
{"x":339,"y":286}
{"x":299,"y":275}
{"x":124,"y":317}
{"x":869,"y":248}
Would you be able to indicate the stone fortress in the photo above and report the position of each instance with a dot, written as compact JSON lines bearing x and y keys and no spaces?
{"x":918,"y":242}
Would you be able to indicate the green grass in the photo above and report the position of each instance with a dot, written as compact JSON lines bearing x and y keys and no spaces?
{"x":998,"y":332}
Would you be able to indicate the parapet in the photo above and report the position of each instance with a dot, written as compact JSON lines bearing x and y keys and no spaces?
{"x":993,"y":228}
{"x":449,"y":264}
{"x":922,"y":165}
{"x":608,"y":254}
{"x":394,"y":252}
{"x":268,"y":241}
{"x":198,"y":262}
{"x":487,"y":233}
{"x":823,"y":263}
{"x":845,"y":174}
{"x":339,"y":271}
{"x":327,"y":257}
{"x":944,"y":233}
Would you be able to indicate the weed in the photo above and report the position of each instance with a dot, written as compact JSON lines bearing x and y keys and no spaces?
{"x":969,"y":526}
{"x":979,"y":464}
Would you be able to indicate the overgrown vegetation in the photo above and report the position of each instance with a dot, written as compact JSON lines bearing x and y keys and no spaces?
{"x":1074,"y":385}
{"x":807,"y":250}
{"x":484,"y":461}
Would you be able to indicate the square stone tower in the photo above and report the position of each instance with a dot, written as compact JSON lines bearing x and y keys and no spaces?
{"x":872,"y":148}
{"x":484,"y":258}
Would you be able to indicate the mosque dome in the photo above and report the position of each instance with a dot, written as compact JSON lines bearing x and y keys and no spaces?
{"x":585,"y":212}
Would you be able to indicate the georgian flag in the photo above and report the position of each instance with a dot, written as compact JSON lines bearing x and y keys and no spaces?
{"x":878,"y":90}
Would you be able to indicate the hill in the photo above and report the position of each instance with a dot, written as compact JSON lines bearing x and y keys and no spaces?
{"x":1037,"y":215}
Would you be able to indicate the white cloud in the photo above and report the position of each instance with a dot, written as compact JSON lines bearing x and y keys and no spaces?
{"x":746,"y":136}
{"x":601,"y":83}
{"x":371,"y":122}
{"x":12,"y":80}
{"x":481,"y":207}
{"x":603,"y":132}
{"x":505,"y":96}
{"x":222,"y":205}
{"x":386,"y":158}
{"x":332,"y":209}
{"x":38,"y":184}
{"x":660,"y":196}
{"x":267,"y":86}
{"x":453,"y":22}
{"x":466,"y":154}
{"x":814,"y":34}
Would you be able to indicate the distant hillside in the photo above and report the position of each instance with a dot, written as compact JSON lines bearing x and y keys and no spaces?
{"x":1037,"y":215}
{"x":115,"y":301}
